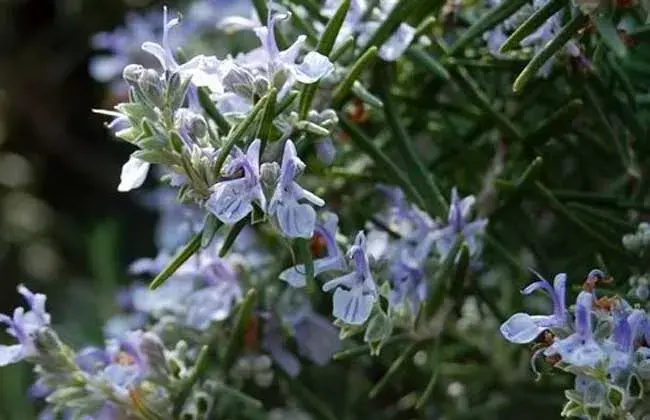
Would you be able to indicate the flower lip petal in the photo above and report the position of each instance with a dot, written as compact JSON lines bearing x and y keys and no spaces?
{"x":296,"y":220}
{"x":134,"y":173}
{"x":352,"y":307}
{"x":522,"y":328}
{"x":314,"y":67}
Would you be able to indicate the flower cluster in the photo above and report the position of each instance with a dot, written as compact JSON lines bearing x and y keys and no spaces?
{"x":604,"y":343}
{"x":269,"y":262}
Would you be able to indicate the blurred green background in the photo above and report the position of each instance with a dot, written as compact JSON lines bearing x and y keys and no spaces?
{"x":62,"y":220}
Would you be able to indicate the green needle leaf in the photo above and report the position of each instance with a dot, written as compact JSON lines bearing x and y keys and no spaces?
{"x":244,"y":313}
{"x":616,"y":106}
{"x":605,"y":219}
{"x":341,"y":92}
{"x":239,"y":131}
{"x":610,"y":36}
{"x":310,"y":401}
{"x":365,"y":348}
{"x":262,"y":11}
{"x":210,"y":227}
{"x":417,"y":171}
{"x":238,"y":395}
{"x":202,"y":362}
{"x":190,"y":249}
{"x":531,"y":24}
{"x":471,"y":87}
{"x":395,"y":174}
{"x":306,"y":258}
{"x":435,"y":366}
{"x":566,"y":33}
{"x":265,"y":131}
{"x":440,"y":288}
{"x":624,"y":80}
{"x":393,"y":369}
{"x":417,"y":54}
{"x":234,"y":231}
{"x":212,"y":111}
{"x":487,"y":22}
{"x":457,"y":281}
{"x":398,"y":15}
{"x":569,"y":215}
{"x":331,"y":32}
{"x":554,"y":124}
{"x":302,"y":24}
{"x":325,"y":46}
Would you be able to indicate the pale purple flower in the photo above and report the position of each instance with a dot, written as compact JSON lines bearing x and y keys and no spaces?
{"x":204,"y":14}
{"x":591,"y":390}
{"x":177,"y":221}
{"x":495,"y":38}
{"x":23,"y":326}
{"x":413,"y":224}
{"x":202,"y":291}
{"x":39,"y":389}
{"x":333,"y":260}
{"x":214,"y":302}
{"x":325,"y":150}
{"x":209,"y":71}
{"x":129,"y":363}
{"x":273,"y":344}
{"x":409,"y":286}
{"x":409,"y":254}
{"x":163,"y":52}
{"x":168,"y":299}
{"x":580,"y":348}
{"x":232,"y":199}
{"x":296,"y":220}
{"x":620,"y":346}
{"x":92,"y":359}
{"x":123,"y":47}
{"x":118,"y":325}
{"x":355,"y":293}
{"x":316,"y":338}
{"x":459,"y":225}
{"x":523,"y":328}
{"x":314,"y":66}
{"x":544,"y":34}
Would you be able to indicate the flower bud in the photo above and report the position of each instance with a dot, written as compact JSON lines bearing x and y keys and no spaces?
{"x":189,"y":413}
{"x":264,"y":379}
{"x":131,"y":73}
{"x":269,"y":173}
{"x":47,"y":342}
{"x":151,"y":86}
{"x":65,"y":395}
{"x":240,"y":81}
{"x":197,"y":126}
{"x":260,"y":86}
{"x":176,"y":90}
{"x":154,"y":351}
{"x":262,"y":363}
{"x":203,"y":402}
{"x":326,"y":151}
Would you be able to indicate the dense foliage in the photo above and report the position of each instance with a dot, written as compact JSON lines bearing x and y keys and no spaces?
{"x":353,"y":197}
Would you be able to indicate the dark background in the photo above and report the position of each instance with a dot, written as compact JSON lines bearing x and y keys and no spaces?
{"x":62,"y":219}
